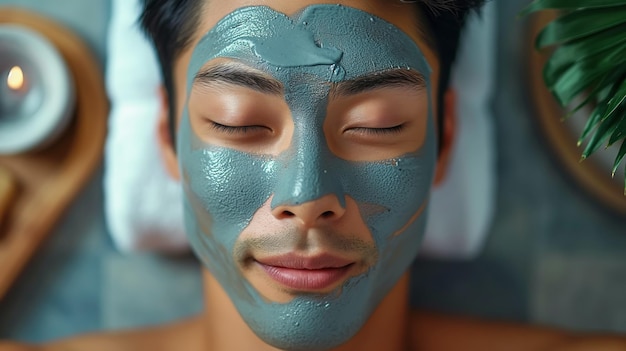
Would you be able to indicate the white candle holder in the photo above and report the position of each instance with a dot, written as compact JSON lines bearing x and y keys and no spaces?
{"x":37,"y":96}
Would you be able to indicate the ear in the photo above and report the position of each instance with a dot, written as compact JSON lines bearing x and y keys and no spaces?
{"x":448,"y":136}
{"x":164,"y":137}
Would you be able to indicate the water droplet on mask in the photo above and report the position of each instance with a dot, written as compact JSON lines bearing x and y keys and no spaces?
{"x":371,"y":19}
{"x":327,"y":305}
{"x":305,"y":23}
{"x":296,"y":324}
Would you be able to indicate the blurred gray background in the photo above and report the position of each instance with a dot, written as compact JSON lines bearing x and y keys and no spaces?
{"x":553,"y":256}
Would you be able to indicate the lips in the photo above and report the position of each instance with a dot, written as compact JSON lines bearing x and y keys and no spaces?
{"x":306,"y":274}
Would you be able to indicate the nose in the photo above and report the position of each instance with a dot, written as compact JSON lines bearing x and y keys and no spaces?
{"x":312,"y":213}
{"x":308,"y":188}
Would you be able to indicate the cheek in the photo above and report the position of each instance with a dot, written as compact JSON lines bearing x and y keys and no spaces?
{"x":230,"y":185}
{"x":394,"y":190}
{"x":223,"y":189}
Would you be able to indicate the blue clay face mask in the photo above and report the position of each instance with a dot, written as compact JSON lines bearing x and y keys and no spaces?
{"x":240,"y":204}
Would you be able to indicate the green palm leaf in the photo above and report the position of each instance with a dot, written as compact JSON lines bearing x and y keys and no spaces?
{"x":605,"y":129}
{"x":619,"y":133}
{"x":584,"y":49}
{"x":581,"y":75}
{"x":568,"y":5}
{"x":589,"y":60}
{"x":579,"y":24}
{"x":592,"y":122}
{"x":594,"y":95}
{"x":617,"y":99}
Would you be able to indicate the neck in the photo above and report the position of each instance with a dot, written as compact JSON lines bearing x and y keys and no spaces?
{"x":386,"y":329}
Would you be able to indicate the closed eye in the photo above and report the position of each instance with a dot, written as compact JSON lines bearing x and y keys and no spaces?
{"x":377,"y":131}
{"x":222,"y":128}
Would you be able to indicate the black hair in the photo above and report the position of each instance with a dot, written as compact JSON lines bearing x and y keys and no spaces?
{"x":446,"y":20}
{"x":170,"y":24}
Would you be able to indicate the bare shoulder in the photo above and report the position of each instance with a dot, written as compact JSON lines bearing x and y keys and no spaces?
{"x":438,"y":332}
{"x":185,"y":335}
{"x":12,"y":346}
{"x":433,"y":331}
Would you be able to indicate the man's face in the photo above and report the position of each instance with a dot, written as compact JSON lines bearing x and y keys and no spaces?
{"x":307,"y":148}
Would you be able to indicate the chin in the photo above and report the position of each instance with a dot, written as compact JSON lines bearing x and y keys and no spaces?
{"x":312,"y":321}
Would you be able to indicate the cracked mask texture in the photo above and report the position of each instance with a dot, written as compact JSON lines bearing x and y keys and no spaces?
{"x":224,"y":187}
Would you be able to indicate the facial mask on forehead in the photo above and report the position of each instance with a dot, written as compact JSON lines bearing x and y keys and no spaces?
{"x":225,"y":188}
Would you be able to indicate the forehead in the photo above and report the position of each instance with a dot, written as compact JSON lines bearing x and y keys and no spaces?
{"x":332,"y":42}
{"x":398,"y":12}
{"x":403,"y":14}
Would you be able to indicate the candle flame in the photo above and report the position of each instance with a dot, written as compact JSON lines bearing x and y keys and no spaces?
{"x":15,"y":80}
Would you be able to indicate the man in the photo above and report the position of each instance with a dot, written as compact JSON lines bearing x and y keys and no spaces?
{"x":306,"y":135}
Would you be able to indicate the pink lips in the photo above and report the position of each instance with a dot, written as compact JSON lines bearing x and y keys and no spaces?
{"x":303,"y":273}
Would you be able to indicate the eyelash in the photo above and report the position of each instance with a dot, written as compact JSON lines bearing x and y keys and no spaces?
{"x":233,"y":130}
{"x":379,"y":131}
{"x":245,"y":129}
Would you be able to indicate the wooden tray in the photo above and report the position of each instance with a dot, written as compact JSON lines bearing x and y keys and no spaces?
{"x":49,"y":179}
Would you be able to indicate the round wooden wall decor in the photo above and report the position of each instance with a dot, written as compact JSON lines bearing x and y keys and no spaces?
{"x":43,"y":183}
{"x":594,"y":174}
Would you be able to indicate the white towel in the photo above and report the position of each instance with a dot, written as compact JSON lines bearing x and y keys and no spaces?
{"x":461,"y":210}
{"x":143,"y":207}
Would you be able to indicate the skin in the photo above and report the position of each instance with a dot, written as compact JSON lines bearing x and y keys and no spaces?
{"x":400,"y":14}
{"x":392,"y":326}
{"x":353,"y":183}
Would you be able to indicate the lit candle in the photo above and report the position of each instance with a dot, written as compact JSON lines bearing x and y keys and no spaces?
{"x":36,"y":91}
{"x":14,"y":94}
{"x":15,"y":79}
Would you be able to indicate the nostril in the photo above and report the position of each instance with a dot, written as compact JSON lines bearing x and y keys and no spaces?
{"x":324,"y":209}
{"x":328,"y":214}
{"x":284,"y":213}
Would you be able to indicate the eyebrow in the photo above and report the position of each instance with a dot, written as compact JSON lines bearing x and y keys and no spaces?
{"x":394,"y":78}
{"x":238,"y":75}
